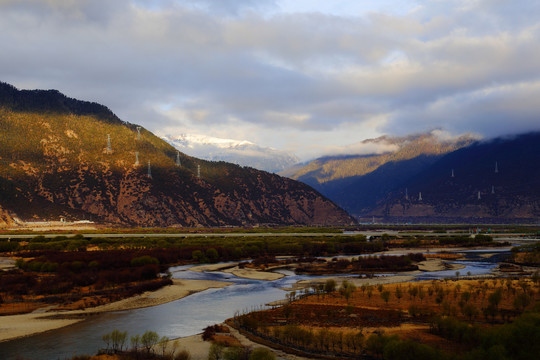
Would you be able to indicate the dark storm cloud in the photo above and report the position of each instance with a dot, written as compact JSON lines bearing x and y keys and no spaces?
{"x":201,"y":64}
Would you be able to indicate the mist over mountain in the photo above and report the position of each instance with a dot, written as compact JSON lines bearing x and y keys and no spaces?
{"x":61,"y":157}
{"x":240,"y":152}
{"x":387,"y":186}
{"x":495,"y":181}
{"x":357,"y":182}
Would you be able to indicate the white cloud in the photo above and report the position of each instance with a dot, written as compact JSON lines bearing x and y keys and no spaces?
{"x":308,"y":76}
{"x":362,"y":148}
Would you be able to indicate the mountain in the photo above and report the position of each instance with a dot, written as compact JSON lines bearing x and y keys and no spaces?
{"x":61,"y":157}
{"x":358,"y":182}
{"x":388,"y":186}
{"x":239,"y":152}
{"x":495,"y":181}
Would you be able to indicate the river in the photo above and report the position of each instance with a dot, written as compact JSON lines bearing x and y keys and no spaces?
{"x":187,"y":316}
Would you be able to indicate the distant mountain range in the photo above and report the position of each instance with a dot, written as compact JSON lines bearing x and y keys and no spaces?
{"x":240,"y":152}
{"x":65,"y":158}
{"x":388,"y":186}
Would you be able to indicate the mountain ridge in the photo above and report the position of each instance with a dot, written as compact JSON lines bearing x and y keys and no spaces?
{"x":358,"y":182}
{"x":56,"y":161}
{"x":490,"y":181}
{"x":330,"y":168}
{"x":52,"y":101}
{"x":390,"y":190}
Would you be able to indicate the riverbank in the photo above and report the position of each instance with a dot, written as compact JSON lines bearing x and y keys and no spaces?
{"x":16,"y":326}
{"x":198,"y":348}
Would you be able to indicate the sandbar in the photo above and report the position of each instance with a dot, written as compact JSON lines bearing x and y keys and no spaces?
{"x":254,"y":274}
{"x":232,"y":268}
{"x":15,"y":326}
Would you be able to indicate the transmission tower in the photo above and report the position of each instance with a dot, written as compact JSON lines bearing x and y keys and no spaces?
{"x":136,"y":158}
{"x":138,"y":133}
{"x":178,"y":163}
{"x":109,"y":147}
{"x":149,"y":170}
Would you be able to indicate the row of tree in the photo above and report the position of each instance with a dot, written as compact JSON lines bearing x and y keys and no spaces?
{"x":143,"y":346}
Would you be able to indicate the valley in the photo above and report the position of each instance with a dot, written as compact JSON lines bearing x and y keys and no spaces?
{"x":107,"y":230}
{"x":255,"y":280}
{"x":269,"y":180}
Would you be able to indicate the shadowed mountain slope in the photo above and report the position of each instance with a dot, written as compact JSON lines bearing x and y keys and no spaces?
{"x":387,"y":186}
{"x":495,"y":181}
{"x":358,"y":182}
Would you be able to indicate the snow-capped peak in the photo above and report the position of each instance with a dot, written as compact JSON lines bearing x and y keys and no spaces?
{"x":191,"y":140}
{"x":241,"y":152}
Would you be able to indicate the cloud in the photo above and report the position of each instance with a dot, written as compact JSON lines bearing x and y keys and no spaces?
{"x":491,"y":111}
{"x":362,"y":148}
{"x":309,"y":79}
{"x":231,"y":7}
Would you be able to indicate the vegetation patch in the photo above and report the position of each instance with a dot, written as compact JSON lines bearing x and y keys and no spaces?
{"x":432,"y":320}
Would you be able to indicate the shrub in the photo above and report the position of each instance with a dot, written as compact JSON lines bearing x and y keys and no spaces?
{"x":8,"y":246}
{"x":183,"y":355}
{"x":409,"y":350}
{"x":330,"y":286}
{"x":212,"y":255}
{"x":199,"y":257}
{"x":262,"y":354}
{"x":144,"y":260}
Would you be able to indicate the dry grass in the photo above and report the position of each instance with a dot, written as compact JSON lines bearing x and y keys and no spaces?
{"x":19,"y":308}
{"x":226,"y":340}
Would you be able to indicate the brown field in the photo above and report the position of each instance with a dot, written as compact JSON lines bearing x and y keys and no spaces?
{"x":426,"y":295}
{"x":407,"y":310}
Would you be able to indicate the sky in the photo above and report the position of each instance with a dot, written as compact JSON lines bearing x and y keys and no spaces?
{"x":306,"y":76}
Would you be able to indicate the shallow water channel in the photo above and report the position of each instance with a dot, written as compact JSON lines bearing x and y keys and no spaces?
{"x":187,"y":316}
